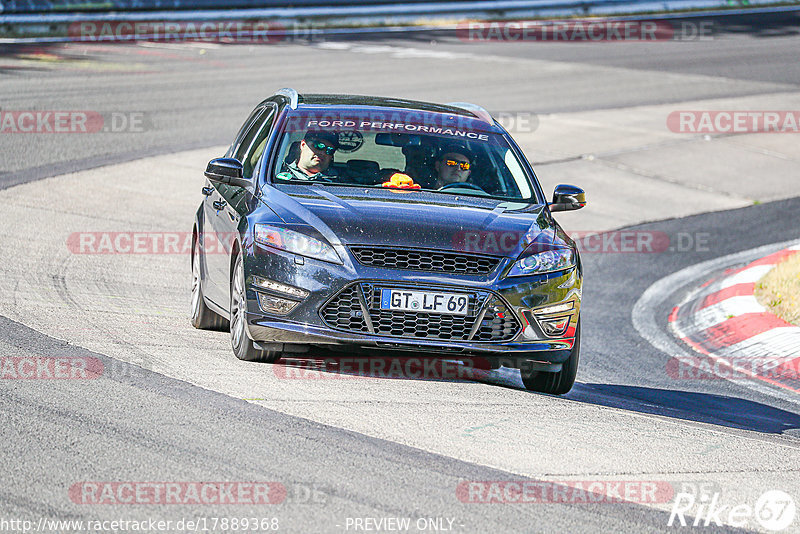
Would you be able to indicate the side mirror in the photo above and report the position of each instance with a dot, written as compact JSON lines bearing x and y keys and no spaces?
{"x":226,"y":171}
{"x":568,"y":198}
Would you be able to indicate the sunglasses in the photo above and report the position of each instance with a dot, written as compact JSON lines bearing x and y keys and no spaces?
{"x":322,"y":147}
{"x":452,"y":163}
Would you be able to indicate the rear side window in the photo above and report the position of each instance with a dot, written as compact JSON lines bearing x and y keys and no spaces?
{"x":244,"y":129}
{"x":247,"y":139}
{"x":257,"y":142}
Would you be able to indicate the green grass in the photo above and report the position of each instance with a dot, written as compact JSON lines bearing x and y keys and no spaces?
{"x":779,"y":290}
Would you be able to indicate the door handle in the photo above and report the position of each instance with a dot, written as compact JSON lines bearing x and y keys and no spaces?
{"x":207,"y":190}
{"x":219,"y":204}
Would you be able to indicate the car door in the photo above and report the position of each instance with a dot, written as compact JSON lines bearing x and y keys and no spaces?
{"x":227,"y":203}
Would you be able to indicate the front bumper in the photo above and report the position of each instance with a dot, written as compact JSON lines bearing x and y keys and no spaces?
{"x":304,"y":325}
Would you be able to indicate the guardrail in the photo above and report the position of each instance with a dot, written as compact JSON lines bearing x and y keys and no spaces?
{"x":30,"y":13}
{"x":54,"y":6}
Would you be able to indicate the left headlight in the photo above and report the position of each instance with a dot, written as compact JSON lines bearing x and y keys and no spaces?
{"x":295,"y":242}
{"x":547,"y":261}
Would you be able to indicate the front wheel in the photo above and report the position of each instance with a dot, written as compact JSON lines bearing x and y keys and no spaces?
{"x":240,"y":342}
{"x":560,"y":382}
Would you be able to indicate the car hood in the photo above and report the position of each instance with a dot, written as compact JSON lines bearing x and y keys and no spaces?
{"x":410,"y":219}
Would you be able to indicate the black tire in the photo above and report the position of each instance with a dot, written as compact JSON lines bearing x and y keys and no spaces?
{"x":202,"y":316}
{"x":556,"y":383}
{"x":240,"y":342}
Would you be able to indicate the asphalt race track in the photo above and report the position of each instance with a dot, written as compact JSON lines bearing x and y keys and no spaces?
{"x":174,"y":405}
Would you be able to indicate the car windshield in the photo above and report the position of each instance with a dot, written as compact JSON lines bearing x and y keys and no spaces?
{"x":451,"y":154}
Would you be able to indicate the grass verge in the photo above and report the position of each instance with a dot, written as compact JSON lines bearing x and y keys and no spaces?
{"x":779,"y":290}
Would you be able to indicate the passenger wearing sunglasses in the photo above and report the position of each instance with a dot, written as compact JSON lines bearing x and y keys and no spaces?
{"x":314,"y":158}
{"x":454,"y":165}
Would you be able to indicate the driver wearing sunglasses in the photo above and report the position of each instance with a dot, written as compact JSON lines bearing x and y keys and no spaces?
{"x":314,"y":159}
{"x":453,"y":165}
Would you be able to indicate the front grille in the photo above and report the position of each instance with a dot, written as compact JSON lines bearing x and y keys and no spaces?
{"x":425,"y":260}
{"x":345,"y":312}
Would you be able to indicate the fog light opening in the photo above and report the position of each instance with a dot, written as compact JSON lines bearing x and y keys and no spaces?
{"x":555,"y":326}
{"x":275,"y":305}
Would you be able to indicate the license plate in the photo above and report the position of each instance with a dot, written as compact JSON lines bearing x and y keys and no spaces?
{"x":424,"y":301}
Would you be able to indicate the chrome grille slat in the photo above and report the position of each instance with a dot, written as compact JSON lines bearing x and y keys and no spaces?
{"x":425,"y":260}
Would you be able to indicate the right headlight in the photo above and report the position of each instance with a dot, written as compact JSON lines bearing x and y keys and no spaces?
{"x":295,"y":242}
{"x":548,"y":261}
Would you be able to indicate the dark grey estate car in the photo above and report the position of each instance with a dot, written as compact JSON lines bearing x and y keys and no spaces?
{"x":383,"y":224}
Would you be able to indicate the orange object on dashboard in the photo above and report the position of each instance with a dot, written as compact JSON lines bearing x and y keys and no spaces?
{"x":401,"y":181}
